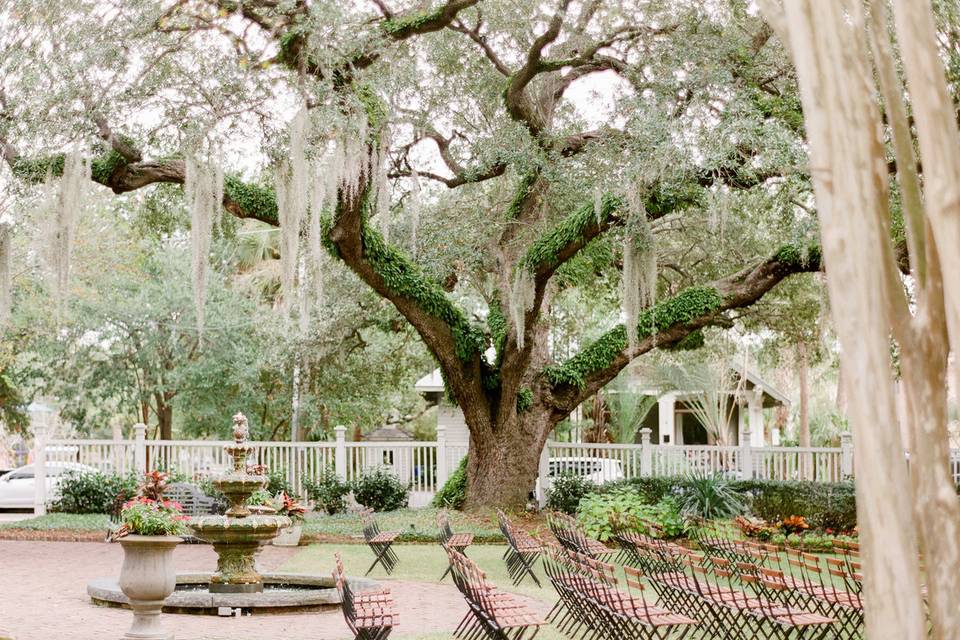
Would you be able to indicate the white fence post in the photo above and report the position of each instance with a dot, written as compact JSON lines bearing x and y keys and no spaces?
{"x":340,"y":456}
{"x":544,"y":474}
{"x":442,"y":472}
{"x":140,"y":448}
{"x":40,"y":476}
{"x":746,"y":455}
{"x":646,"y":453}
{"x":846,"y":455}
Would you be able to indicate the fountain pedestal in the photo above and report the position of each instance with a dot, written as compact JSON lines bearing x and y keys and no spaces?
{"x":238,"y":535}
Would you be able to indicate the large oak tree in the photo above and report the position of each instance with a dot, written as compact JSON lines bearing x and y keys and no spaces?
{"x":482,"y":100}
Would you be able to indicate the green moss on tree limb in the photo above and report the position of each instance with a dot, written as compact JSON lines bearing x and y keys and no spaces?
{"x":523,"y":190}
{"x":497,"y":322}
{"x":797,"y":257}
{"x":524,"y":399}
{"x":398,"y":25}
{"x":36,"y":170}
{"x":545,"y":250}
{"x":253,"y":200}
{"x":102,"y":167}
{"x":405,"y":278}
{"x":692,"y":342}
{"x":683,"y":308}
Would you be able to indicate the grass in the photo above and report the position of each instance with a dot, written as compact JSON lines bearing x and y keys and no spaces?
{"x":415,"y":525}
{"x":419,"y":563}
{"x":67,"y":521}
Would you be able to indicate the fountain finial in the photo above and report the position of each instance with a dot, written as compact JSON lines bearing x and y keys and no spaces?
{"x":241,"y":429}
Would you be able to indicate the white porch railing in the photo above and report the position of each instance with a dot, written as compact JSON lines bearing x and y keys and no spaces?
{"x":425,"y":466}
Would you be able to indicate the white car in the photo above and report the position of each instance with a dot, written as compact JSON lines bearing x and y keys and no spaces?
{"x":596,"y":470}
{"x":17,"y":487}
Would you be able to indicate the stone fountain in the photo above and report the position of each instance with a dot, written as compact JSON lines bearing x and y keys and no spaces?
{"x":237,"y":537}
{"x":238,"y":534}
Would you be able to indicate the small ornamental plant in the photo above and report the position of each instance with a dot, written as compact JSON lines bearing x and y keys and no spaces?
{"x":153,"y":485}
{"x":290,"y":507}
{"x":794,"y":524}
{"x":147,"y":517}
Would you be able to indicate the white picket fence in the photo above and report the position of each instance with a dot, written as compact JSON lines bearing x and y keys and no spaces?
{"x":425,"y":466}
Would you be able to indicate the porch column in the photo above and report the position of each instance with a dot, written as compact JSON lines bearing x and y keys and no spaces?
{"x":755,"y":407}
{"x":666,"y":406}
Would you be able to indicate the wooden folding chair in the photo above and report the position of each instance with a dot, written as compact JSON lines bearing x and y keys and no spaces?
{"x":522,"y":552}
{"x":379,"y":542}
{"x":370,"y":615}
{"x":449,"y":539}
{"x":492,"y":613}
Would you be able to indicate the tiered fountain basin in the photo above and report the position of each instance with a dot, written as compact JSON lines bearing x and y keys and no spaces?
{"x":237,"y":537}
{"x":282,"y":593}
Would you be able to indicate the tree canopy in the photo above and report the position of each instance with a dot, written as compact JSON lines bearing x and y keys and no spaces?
{"x":482,"y":162}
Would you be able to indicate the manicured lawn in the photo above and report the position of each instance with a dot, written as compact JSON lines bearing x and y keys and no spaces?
{"x":422,"y":563}
{"x":67,"y":521}
{"x":416,"y":525}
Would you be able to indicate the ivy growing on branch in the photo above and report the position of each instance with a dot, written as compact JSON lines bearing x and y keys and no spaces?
{"x":405,"y":278}
{"x":545,"y":249}
{"x":683,"y":308}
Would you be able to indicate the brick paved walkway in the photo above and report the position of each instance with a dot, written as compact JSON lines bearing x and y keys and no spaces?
{"x":44,"y":598}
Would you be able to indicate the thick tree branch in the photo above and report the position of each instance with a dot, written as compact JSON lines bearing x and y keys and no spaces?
{"x":668,"y":323}
{"x":519,"y":105}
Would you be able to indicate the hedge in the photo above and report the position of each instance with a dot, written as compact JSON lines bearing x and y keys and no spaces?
{"x":825,"y":505}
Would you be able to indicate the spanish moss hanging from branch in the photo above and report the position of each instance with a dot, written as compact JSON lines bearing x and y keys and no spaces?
{"x":6,"y":249}
{"x":639,"y":280}
{"x":414,"y":208}
{"x":521,"y":301}
{"x":318,"y":201}
{"x":380,"y":188}
{"x":67,"y":204}
{"x":598,"y":203}
{"x":292,"y":206}
{"x":203,"y":190}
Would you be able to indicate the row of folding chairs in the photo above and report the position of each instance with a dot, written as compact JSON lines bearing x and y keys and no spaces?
{"x":492,"y":613}
{"x":829,"y":586}
{"x":710,"y":591}
{"x":523,"y":551}
{"x":369,"y":614}
{"x":570,"y":534}
{"x":592,"y":605}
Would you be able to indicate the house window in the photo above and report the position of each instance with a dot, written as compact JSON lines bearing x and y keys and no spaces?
{"x":388,"y":458}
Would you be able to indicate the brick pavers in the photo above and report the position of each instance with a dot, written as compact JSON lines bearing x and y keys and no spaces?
{"x":43,"y":597}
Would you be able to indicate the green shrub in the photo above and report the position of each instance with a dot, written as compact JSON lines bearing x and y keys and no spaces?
{"x":825,"y":505}
{"x":566,"y":491}
{"x":651,"y":490}
{"x":602,"y":513}
{"x":328,"y":491}
{"x":207,"y":487}
{"x":454,"y":491}
{"x":92,"y":492}
{"x":277,"y":482}
{"x":709,"y":497}
{"x":380,"y":490}
{"x":259,"y":498}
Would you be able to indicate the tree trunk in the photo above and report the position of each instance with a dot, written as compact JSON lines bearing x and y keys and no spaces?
{"x":503,"y":463}
{"x":802,"y":366}
{"x":165,"y":419}
{"x":935,"y":501}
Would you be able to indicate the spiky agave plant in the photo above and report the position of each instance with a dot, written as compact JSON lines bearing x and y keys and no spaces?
{"x":709,"y":497}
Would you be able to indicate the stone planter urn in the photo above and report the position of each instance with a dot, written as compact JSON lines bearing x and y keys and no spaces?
{"x":288,"y":536}
{"x":148,"y":576}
